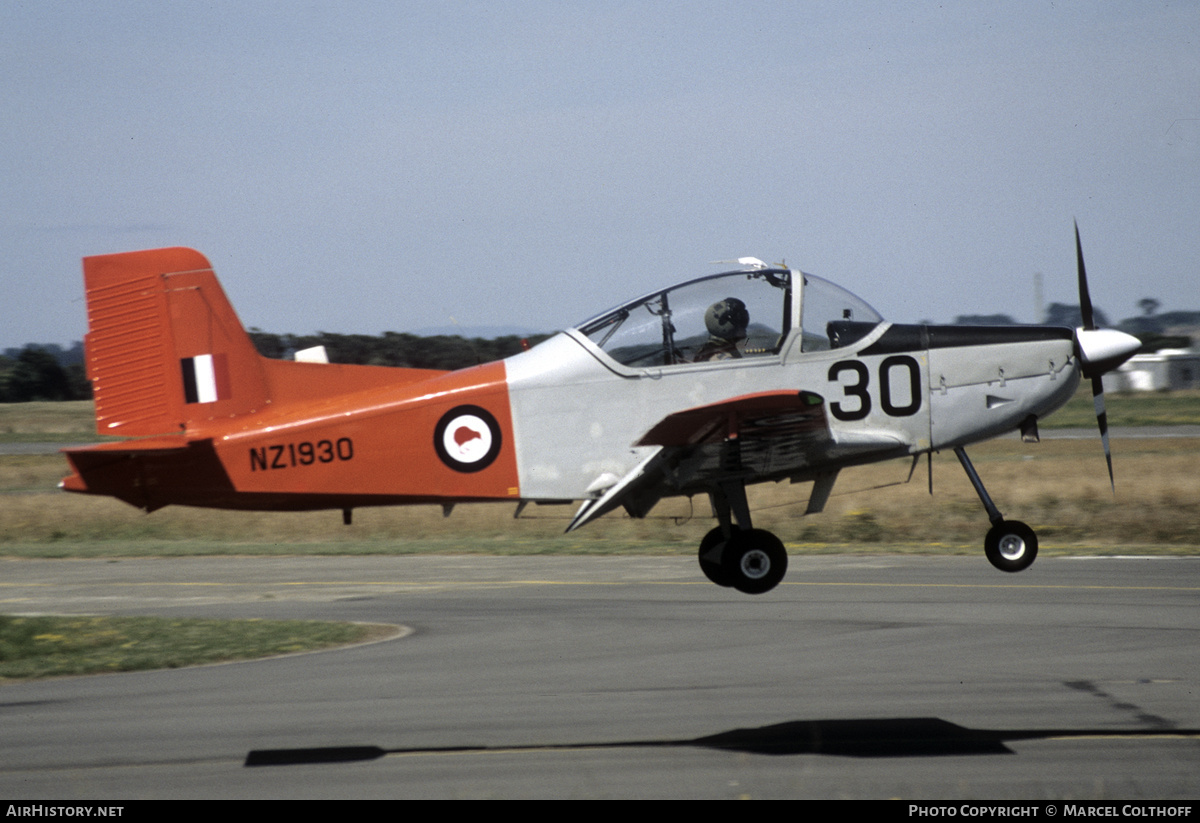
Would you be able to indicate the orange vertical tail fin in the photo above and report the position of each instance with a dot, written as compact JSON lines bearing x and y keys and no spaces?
{"x":165,"y":350}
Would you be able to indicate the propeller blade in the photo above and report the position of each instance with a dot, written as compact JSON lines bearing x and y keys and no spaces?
{"x":1085,"y":299}
{"x":1100,"y":351}
{"x":1102,"y":421}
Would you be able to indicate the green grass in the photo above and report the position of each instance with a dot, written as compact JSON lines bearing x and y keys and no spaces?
{"x":1128,"y":409}
{"x":45,"y":422}
{"x":37,"y":647}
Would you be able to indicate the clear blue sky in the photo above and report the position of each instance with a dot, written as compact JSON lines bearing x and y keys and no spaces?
{"x":370,"y":166}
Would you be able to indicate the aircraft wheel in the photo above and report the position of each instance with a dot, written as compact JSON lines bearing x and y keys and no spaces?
{"x":755,"y":561}
{"x":1010,"y":546}
{"x":712,"y":547}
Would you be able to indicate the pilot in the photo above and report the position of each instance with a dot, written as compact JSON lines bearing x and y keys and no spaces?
{"x":726,"y":321}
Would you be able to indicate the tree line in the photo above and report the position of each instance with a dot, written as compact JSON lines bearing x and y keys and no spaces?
{"x":446,"y":352}
{"x":50,"y":372}
{"x":43,"y":372}
{"x":1156,"y":331}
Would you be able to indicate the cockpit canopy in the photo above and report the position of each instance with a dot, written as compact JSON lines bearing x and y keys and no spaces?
{"x":729,"y":316}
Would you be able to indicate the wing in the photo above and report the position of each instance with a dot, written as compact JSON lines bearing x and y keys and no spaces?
{"x":768,"y":416}
{"x":755,"y":437}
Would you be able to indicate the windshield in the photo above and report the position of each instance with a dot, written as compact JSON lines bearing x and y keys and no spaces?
{"x":727,"y":316}
{"x":833,"y":317}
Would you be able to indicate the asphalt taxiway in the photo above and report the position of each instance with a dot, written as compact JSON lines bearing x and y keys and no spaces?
{"x":862,"y":677}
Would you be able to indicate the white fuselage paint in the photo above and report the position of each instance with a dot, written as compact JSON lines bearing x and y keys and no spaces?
{"x":577,"y":413}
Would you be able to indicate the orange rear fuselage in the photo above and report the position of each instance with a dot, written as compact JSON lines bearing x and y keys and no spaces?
{"x":221,"y":426}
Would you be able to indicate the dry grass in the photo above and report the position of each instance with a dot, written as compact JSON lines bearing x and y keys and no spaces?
{"x":1060,"y":487}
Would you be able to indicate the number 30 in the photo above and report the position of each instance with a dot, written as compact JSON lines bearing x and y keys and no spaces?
{"x":859,"y":388}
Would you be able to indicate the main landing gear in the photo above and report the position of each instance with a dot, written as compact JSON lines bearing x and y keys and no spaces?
{"x":737,"y":555}
{"x":1010,"y":545}
{"x":750,"y":560}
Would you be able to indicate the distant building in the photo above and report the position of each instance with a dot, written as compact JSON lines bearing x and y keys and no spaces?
{"x":1163,"y":370}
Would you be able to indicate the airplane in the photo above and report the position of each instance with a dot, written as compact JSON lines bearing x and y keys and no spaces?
{"x":758,"y":374}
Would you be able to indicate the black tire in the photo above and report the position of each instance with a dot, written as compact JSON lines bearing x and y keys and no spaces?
{"x":712,"y":547}
{"x":754,"y":561}
{"x":1011,"y":546}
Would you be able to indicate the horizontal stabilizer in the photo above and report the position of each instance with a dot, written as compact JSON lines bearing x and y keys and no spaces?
{"x":150,"y":473}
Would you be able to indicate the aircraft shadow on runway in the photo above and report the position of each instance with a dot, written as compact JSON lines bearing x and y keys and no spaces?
{"x":888,"y":737}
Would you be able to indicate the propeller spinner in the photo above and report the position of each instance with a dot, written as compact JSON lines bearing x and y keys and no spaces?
{"x":1100,"y":351}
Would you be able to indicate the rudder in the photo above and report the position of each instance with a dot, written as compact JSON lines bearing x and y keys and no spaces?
{"x":165,"y":350}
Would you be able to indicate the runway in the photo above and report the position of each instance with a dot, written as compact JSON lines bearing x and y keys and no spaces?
{"x":873,"y":677}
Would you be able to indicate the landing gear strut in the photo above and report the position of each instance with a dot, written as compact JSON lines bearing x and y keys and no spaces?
{"x":1010,"y":545}
{"x":750,"y":560}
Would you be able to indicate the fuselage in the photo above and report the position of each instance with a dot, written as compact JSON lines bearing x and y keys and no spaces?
{"x":220,"y":426}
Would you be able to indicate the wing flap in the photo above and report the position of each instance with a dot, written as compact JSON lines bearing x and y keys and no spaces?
{"x":755,"y":436}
